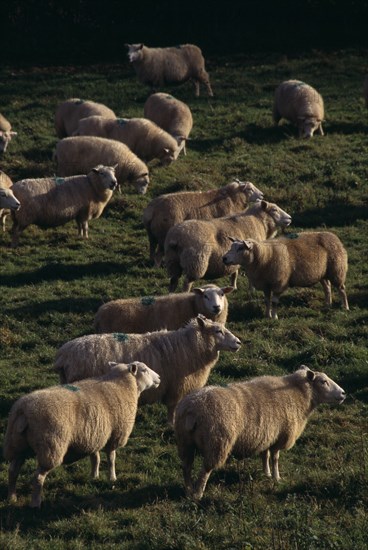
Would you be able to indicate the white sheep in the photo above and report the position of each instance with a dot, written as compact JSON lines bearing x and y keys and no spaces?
{"x":50,"y":202}
{"x":79,"y":154}
{"x":6,"y":133}
{"x":183,"y":358}
{"x":260,"y":416}
{"x":147,"y":140}
{"x":301,"y":104}
{"x":297,"y":260}
{"x":365,"y":91}
{"x":158,"y":67}
{"x":7,"y":199}
{"x":69,"y":112}
{"x":62,"y":424}
{"x":172,"y":115}
{"x":150,"y":313}
{"x":195,"y":247}
{"x":167,"y":210}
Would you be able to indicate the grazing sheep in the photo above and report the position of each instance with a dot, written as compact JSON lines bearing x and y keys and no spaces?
{"x":365,"y":91}
{"x":7,"y":199}
{"x":69,"y":113}
{"x":158,"y":67}
{"x":49,"y":202}
{"x":301,"y":104}
{"x":167,"y":210}
{"x":183,"y":358}
{"x":172,"y":115}
{"x":147,"y":140}
{"x":170,"y":312}
{"x":78,"y":154}
{"x":260,"y":416}
{"x":195,"y":247}
{"x":63,"y":424}
{"x":6,"y":133}
{"x":300,"y":260}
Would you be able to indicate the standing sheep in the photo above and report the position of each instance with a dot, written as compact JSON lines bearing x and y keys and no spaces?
{"x":7,"y":198}
{"x":261,"y":416}
{"x":6,"y":133}
{"x":195,"y":247}
{"x":49,"y":202}
{"x":183,"y":358}
{"x":78,"y":154}
{"x":167,"y":210}
{"x":152,"y":313}
{"x":171,"y":114}
{"x":301,"y":104}
{"x":365,"y":90}
{"x":69,"y":113}
{"x":147,"y":140}
{"x":158,"y":67}
{"x":63,"y":424}
{"x":300,"y":260}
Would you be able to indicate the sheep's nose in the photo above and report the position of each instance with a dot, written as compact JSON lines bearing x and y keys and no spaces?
{"x":224,"y":259}
{"x":216,"y":309}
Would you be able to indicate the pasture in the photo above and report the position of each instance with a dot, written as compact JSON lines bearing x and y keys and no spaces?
{"x":52,"y":285}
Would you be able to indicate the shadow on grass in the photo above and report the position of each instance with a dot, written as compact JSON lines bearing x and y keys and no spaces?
{"x":65,"y":305}
{"x":336,"y":214}
{"x":58,"y":271}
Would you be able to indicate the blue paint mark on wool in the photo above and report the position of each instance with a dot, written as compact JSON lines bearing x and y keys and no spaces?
{"x":120,"y":336}
{"x":148,"y":300}
{"x":59,"y":181}
{"x":70,"y":387}
{"x":79,"y":102}
{"x":121,"y":121}
{"x":291,"y":235}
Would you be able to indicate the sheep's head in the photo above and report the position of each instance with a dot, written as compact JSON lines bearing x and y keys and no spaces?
{"x":169,"y":155}
{"x":324,"y":389}
{"x":135,"y":52}
{"x":307,"y":126}
{"x":212,"y":298}
{"x":8,"y":200}
{"x":107,"y":176}
{"x":141,"y":183}
{"x":222,"y":337}
{"x":240,"y":252}
{"x":279,"y":216}
{"x":5,"y":137}
{"x":146,"y":378}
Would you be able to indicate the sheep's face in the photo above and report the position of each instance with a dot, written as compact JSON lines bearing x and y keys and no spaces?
{"x":141,"y":184}
{"x":307,"y":127}
{"x":107,"y":176}
{"x":250,"y":191}
{"x":146,"y":377}
{"x":279,"y":216}
{"x":222,"y":337}
{"x":135,"y":52}
{"x":240,"y":253}
{"x":8,"y":200}
{"x":325,"y":390}
{"x":168,"y":156}
{"x":212,"y":298}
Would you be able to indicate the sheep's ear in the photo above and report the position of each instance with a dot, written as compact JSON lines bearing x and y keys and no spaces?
{"x":264,"y":205}
{"x":13,"y":133}
{"x":227,"y":289}
{"x":310,"y":375}
{"x":115,"y":166}
{"x":233,"y":239}
{"x":201,"y":319}
{"x":180,"y":139}
{"x":166,"y":150}
{"x":133,"y":369}
{"x":198,"y":290}
{"x":112,"y":364}
{"x":95,"y":169}
{"x":127,"y":45}
{"x":247,"y":245}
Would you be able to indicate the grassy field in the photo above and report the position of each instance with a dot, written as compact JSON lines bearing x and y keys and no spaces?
{"x":52,"y":285}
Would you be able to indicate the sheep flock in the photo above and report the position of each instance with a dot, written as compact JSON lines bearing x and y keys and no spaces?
{"x":167,"y":345}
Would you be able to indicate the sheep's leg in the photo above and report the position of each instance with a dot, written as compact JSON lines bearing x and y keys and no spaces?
{"x":276,"y":115}
{"x":13,"y":473}
{"x":3,"y":221}
{"x":274,"y":304}
{"x":234,"y":278}
{"x":343,"y":297}
{"x":95,"y":465}
{"x":171,"y":414}
{"x":275,"y":464}
{"x":85,"y":229}
{"x":327,"y":290}
{"x":266,"y":462}
{"x":201,"y":483}
{"x":187,"y":285}
{"x":187,"y":466}
{"x":38,"y":482}
{"x":16,"y":231}
{"x":173,"y":283}
{"x":79,"y":225}
{"x":196,"y":88}
{"x":209,"y":89}
{"x":267,"y":296}
{"x":158,"y":257}
{"x":320,"y":129}
{"x":111,"y":457}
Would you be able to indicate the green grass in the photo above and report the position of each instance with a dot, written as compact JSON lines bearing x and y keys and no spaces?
{"x":52,"y":285}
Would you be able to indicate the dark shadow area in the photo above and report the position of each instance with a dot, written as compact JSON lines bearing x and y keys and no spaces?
{"x":346,"y":128}
{"x":67,"y":305}
{"x":336,"y":214}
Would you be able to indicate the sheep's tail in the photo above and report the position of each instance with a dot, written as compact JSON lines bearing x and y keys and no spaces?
{"x":15,"y":441}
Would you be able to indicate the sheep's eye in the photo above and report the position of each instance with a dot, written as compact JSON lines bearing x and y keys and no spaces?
{"x":324,"y":382}
{"x":207,"y":298}
{"x":219,"y":331}
{"x":222,"y":294}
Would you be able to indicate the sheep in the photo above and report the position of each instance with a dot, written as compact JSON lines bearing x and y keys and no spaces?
{"x":50,"y":202}
{"x":183,"y":358}
{"x":69,"y":112}
{"x":195,"y":247}
{"x":78,"y":155}
{"x":365,"y":90}
{"x":7,"y":199}
{"x":172,"y":115}
{"x":6,"y":133}
{"x":167,"y":210}
{"x":147,"y":140}
{"x":297,"y":260}
{"x":301,"y":104}
{"x":63,"y":424}
{"x":260,"y":416}
{"x":158,"y":67}
{"x":150,"y":313}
